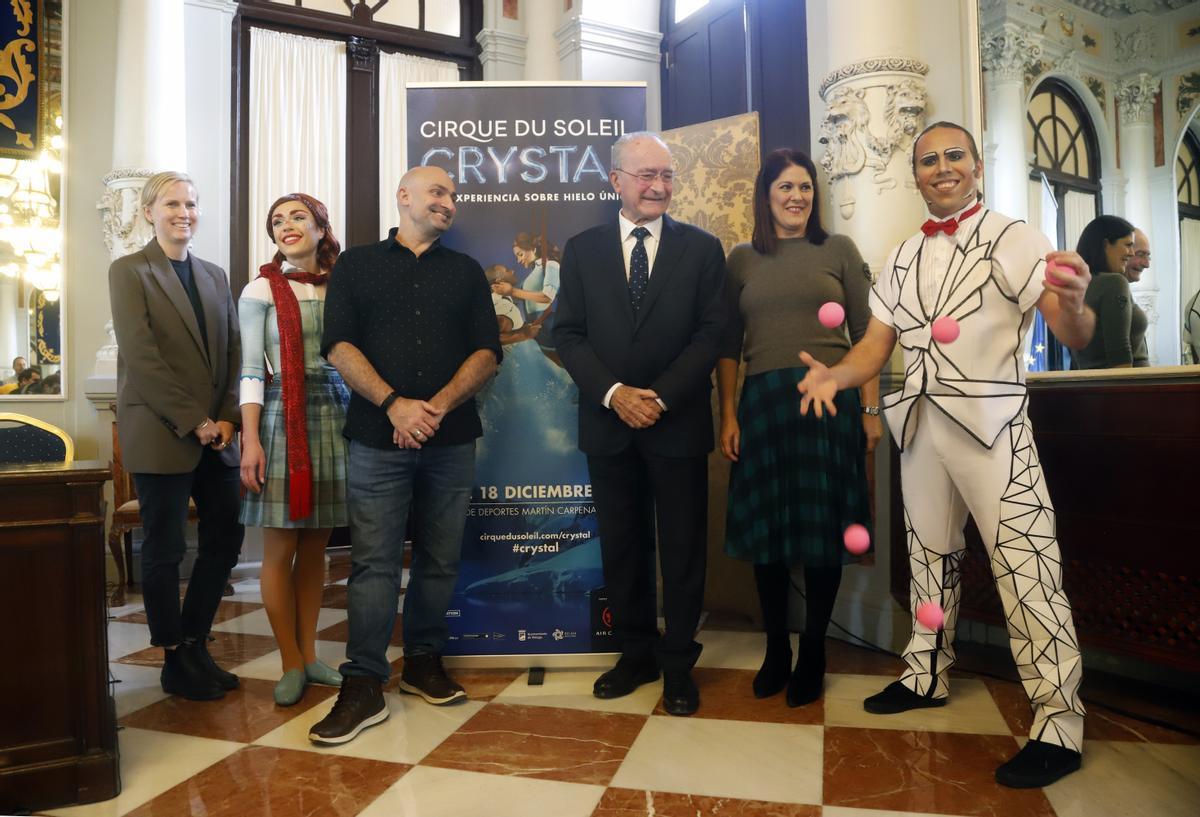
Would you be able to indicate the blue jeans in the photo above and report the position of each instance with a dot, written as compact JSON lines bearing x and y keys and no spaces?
{"x":435,"y":482}
{"x":217,"y":490}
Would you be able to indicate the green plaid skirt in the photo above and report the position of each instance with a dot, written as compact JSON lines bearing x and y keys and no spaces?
{"x":326,"y":411}
{"x":799,"y":481}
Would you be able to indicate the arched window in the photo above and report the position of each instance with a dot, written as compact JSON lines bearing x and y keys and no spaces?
{"x":1187,"y":170}
{"x":1064,"y":187}
{"x":1187,"y":185}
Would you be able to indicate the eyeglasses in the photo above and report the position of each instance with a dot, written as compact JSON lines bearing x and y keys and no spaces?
{"x":649,"y":176}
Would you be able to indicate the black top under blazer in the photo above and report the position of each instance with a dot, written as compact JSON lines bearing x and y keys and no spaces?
{"x":671,"y":345}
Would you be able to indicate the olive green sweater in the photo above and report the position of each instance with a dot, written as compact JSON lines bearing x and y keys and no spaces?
{"x":1120,"y":338}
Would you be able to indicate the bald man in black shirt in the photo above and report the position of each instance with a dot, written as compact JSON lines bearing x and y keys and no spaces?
{"x":409,"y":325}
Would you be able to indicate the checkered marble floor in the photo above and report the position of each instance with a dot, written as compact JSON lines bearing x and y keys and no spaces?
{"x":515,"y":750}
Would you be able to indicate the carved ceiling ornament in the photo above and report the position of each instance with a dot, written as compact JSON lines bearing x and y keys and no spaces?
{"x":1006,"y":54}
{"x":1135,"y":97}
{"x":875,"y":66}
{"x":1136,"y":45}
{"x":125,"y":230}
{"x":851,"y":145}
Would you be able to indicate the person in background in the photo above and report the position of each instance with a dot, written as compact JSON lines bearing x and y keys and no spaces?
{"x":797,"y":482}
{"x":1107,"y":246}
{"x":293,"y":453}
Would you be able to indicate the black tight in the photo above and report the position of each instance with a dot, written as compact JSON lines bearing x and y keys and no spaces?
{"x":820,"y":591}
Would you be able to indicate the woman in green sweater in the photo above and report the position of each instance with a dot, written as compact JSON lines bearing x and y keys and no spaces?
{"x":1106,"y":243}
{"x":797,"y":482}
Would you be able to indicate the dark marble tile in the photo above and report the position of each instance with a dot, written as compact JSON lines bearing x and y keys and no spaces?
{"x":260,"y":780}
{"x":243,"y":715}
{"x":341,"y":632}
{"x":726,"y":694}
{"x":934,"y":772}
{"x":227,"y":649}
{"x":480,"y":684}
{"x":572,"y":745}
{"x":226,"y":611}
{"x":634,"y":803}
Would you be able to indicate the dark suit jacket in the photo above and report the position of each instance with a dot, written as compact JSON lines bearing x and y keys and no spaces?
{"x":671,"y":346}
{"x":167,"y":381}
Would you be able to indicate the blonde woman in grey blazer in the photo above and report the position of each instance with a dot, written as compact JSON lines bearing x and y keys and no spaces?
{"x":177,"y":374}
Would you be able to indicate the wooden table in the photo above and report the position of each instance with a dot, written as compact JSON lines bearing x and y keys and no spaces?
{"x":58,"y":733}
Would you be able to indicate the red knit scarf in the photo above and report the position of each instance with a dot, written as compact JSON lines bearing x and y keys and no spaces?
{"x":291,"y":364}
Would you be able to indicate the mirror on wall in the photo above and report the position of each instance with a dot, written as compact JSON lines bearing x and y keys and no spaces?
{"x":1090,"y":112}
{"x":32,"y":348}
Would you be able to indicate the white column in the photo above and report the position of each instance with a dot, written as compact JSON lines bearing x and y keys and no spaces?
{"x":875,"y":100}
{"x":1006,"y":53}
{"x":502,"y":43}
{"x":1135,"y":106}
{"x":612,"y":42}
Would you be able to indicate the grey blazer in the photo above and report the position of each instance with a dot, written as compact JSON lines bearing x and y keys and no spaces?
{"x":167,"y":381}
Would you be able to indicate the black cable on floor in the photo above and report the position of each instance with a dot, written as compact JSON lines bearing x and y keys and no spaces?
{"x":1146,"y":719}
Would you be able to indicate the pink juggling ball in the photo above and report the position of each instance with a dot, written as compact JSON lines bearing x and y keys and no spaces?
{"x":831,"y":315}
{"x":945,"y":330}
{"x":857,"y":539}
{"x":930,"y":615}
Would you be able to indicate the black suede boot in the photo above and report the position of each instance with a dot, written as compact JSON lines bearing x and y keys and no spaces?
{"x":773,"y":583}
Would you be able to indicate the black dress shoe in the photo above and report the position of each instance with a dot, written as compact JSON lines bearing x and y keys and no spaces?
{"x":225,"y":680}
{"x":680,"y":695}
{"x":624,"y":678}
{"x":808,"y":679}
{"x":896,"y":698}
{"x":1038,"y":764}
{"x":184,"y":674}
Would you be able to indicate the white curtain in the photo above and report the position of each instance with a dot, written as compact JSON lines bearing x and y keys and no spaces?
{"x":394,"y":71}
{"x":1189,"y":258}
{"x":297,"y":129}
{"x":1043,"y":209}
{"x":1079,"y":209}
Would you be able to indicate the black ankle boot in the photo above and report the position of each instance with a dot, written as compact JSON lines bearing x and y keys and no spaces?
{"x":185,"y":675}
{"x":225,"y":680}
{"x":808,"y":679}
{"x":777,"y":663}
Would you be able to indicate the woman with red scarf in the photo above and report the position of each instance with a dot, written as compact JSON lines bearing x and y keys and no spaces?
{"x":293,"y":453}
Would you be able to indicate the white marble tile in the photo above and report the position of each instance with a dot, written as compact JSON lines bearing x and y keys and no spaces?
{"x":269,"y":668}
{"x":126,"y":637}
{"x":139,"y":686}
{"x":248,"y":589}
{"x":753,"y":761}
{"x":412,"y":731}
{"x":431,"y":792}
{"x":971,"y":708}
{"x":133,"y":604}
{"x":151,"y":763}
{"x":257,"y":623}
{"x":1125,"y":778}
{"x":839,"y":811}
{"x":731,"y":650}
{"x":572,"y":689}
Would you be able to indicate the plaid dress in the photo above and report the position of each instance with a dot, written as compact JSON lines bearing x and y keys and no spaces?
{"x":799,"y":481}
{"x":327,"y":398}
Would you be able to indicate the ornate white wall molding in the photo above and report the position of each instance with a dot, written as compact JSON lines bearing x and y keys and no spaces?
{"x":125,"y":230}
{"x":1006,"y":54}
{"x":891,"y":86}
{"x":1136,"y":45}
{"x":501,"y":47}
{"x":902,"y":65}
{"x":579,"y":34}
{"x":1135,"y":97}
{"x":1148,"y":301}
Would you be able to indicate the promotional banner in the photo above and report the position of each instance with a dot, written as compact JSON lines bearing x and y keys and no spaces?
{"x":530,"y":164}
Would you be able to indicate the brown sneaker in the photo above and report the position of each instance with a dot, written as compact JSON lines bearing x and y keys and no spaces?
{"x":424,"y":675}
{"x":359,"y":704}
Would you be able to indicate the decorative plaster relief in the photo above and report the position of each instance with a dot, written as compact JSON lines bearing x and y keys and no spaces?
{"x":1136,"y":45}
{"x":1188,"y":93}
{"x":1008,"y":53}
{"x":1135,"y":97}
{"x":125,"y":230}
{"x":876,"y":66}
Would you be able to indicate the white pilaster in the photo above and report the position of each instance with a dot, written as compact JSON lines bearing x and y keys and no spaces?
{"x":1135,"y":104}
{"x":591,"y":49}
{"x":502,"y":54}
{"x":1006,"y":55}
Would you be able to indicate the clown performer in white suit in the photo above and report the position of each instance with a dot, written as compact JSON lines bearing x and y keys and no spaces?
{"x":966,"y":442}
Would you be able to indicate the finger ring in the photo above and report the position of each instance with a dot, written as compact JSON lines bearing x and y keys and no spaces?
{"x":417,"y":433}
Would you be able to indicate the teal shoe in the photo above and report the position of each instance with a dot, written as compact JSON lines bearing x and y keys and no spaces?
{"x":321,"y":673}
{"x":290,"y":688}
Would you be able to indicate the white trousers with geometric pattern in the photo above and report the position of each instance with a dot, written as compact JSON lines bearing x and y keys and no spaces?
{"x":946,"y":475}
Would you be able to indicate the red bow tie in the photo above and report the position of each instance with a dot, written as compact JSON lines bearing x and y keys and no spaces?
{"x":950,"y":225}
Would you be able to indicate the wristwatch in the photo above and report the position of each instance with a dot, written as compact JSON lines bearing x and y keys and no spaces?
{"x":394,"y":396}
{"x":872,"y":410}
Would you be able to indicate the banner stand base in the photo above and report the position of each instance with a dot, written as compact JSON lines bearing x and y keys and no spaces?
{"x":574,"y":660}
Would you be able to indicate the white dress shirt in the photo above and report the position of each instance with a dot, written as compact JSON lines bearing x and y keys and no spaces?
{"x":628,"y":242}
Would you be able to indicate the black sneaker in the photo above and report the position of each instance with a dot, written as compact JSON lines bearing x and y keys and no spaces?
{"x":896,"y":698}
{"x":225,"y":680}
{"x":184,"y":674}
{"x":1038,"y":764}
{"x":424,"y":675}
{"x":359,"y":704}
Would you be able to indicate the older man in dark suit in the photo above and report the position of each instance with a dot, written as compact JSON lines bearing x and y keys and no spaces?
{"x":177,"y":372}
{"x":639,"y":317}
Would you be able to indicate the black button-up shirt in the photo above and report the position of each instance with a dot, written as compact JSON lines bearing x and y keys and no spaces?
{"x":415,"y":319}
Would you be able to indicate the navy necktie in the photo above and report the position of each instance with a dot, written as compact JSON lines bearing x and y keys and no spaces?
{"x":639,"y":269}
